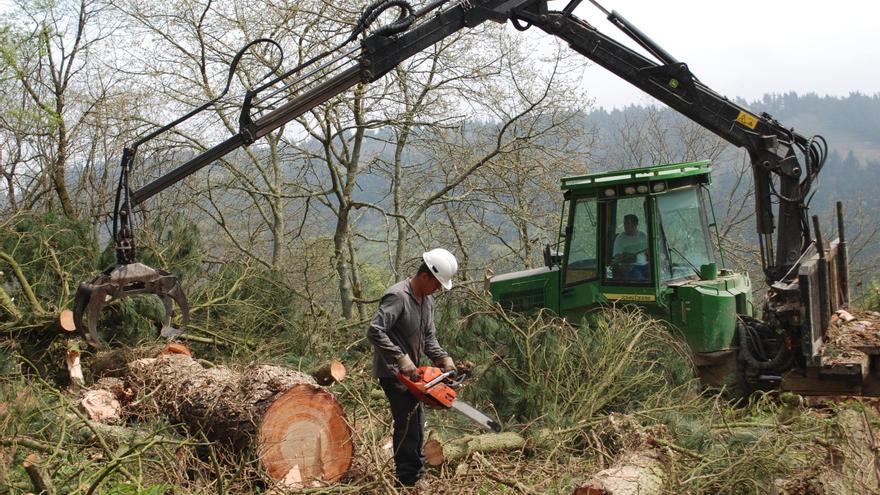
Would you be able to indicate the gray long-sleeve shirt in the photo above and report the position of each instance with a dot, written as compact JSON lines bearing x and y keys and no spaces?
{"x":402,"y":326}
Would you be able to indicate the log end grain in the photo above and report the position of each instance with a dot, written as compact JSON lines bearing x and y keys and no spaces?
{"x":304,"y":437}
{"x":65,"y":321}
{"x":101,"y":406}
{"x":175,"y":348}
{"x":433,"y":450}
{"x":329,"y":373}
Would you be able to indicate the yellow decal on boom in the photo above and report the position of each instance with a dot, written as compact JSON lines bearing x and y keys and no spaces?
{"x":747,"y":119}
{"x":631,"y":297}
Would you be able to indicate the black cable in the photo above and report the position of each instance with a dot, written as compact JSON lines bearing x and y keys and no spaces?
{"x":518,"y":23}
{"x":749,"y":331}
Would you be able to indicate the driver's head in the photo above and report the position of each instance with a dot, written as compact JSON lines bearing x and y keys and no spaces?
{"x":630,"y":224}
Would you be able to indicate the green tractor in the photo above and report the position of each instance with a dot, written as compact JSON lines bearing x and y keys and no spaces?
{"x":642,"y":237}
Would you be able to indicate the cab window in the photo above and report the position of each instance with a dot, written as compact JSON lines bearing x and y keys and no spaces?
{"x":582,"y":248}
{"x":684,"y":235}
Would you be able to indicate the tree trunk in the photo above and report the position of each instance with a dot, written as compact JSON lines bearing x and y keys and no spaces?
{"x":346,"y":295}
{"x":59,"y":164}
{"x":438,"y":453}
{"x":297,"y":428}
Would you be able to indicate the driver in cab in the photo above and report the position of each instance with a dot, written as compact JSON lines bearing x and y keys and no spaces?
{"x":629,"y":259}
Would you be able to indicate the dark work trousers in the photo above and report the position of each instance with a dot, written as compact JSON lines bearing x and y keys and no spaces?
{"x":409,"y":424}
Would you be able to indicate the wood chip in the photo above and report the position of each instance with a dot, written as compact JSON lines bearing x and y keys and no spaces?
{"x":845,"y":315}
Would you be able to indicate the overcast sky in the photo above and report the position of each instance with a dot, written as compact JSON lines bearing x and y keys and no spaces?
{"x":746,"y":48}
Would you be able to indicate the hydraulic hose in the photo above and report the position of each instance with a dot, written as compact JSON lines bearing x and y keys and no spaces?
{"x":751,"y":346}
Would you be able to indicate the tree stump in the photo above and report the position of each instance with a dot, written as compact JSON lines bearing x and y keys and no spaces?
{"x":297,"y":428}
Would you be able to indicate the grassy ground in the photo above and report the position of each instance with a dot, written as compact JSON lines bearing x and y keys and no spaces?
{"x":583,"y":397}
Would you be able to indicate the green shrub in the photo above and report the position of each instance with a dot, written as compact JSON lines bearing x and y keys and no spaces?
{"x":542,"y":368}
{"x":53,"y":251}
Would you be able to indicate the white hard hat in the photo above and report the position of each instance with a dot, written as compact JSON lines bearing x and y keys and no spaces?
{"x":442,"y":264}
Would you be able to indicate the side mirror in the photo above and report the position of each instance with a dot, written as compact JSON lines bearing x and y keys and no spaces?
{"x":551,"y":257}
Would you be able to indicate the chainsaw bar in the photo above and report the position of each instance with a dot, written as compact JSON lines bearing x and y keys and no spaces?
{"x":476,"y":416}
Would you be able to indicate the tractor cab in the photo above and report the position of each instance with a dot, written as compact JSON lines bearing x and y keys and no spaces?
{"x":639,"y":236}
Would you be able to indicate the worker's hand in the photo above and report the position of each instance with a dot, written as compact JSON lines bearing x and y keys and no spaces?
{"x":445,"y":364}
{"x":406,"y":366}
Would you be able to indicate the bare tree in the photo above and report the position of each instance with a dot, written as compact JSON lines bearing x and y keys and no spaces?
{"x":49,"y":52}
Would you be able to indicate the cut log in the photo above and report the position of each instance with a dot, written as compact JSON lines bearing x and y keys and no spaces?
{"x":297,"y":428}
{"x":65,"y":321}
{"x":329,"y":373}
{"x":114,"y":362}
{"x":638,"y":473}
{"x":101,"y":406}
{"x":175,"y":348}
{"x":438,"y":453}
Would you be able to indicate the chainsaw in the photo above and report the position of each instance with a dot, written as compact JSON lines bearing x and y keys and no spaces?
{"x":436,"y":388}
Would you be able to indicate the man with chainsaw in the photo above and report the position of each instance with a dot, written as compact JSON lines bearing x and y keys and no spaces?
{"x":401,"y":331}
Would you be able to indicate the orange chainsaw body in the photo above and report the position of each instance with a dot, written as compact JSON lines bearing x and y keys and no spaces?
{"x":437,"y":395}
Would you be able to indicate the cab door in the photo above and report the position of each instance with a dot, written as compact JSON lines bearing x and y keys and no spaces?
{"x":581,"y":270}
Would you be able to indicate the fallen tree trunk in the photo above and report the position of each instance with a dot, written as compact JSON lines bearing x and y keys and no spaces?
{"x":298,"y":429}
{"x":437,"y":453}
{"x":113,"y":363}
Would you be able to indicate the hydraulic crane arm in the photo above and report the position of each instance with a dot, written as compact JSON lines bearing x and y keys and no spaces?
{"x":265,"y":109}
{"x":378,"y":53}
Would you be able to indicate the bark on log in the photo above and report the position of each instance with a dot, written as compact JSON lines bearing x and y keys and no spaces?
{"x":113,"y":363}
{"x":437,"y":453}
{"x":638,"y":473}
{"x":297,"y":428}
{"x":329,"y":373}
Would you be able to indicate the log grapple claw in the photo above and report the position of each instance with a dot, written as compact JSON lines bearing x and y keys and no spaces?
{"x":121,"y":281}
